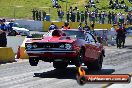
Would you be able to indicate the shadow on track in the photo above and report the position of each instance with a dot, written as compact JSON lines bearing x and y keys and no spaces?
{"x":128,"y":46}
{"x":69,"y":73}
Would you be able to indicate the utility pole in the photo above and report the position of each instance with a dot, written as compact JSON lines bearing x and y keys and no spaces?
{"x":66,"y":4}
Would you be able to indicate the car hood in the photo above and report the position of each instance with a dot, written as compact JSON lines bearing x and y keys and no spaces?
{"x":53,"y":39}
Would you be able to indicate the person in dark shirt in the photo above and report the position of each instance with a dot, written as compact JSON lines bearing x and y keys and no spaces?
{"x":68,"y":16}
{"x":53,"y":27}
{"x":78,"y":16}
{"x":3,"y":39}
{"x":33,"y":14}
{"x":120,"y":38}
{"x":109,"y":18}
{"x":82,"y":16}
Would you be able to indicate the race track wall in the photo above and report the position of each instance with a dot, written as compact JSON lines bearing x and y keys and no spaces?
{"x":31,"y":25}
{"x":74,"y":25}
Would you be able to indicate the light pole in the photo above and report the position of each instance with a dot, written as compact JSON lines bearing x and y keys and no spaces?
{"x":66,"y":5}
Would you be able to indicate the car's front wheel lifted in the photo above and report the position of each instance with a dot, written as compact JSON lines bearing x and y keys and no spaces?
{"x":79,"y":60}
{"x":33,"y":61}
{"x":60,"y":65}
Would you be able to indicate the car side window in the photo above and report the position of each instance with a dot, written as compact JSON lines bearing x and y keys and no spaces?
{"x":89,"y":38}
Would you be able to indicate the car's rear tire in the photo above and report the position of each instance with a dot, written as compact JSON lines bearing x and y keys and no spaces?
{"x":79,"y":60}
{"x":96,"y":65}
{"x":33,"y":61}
{"x":60,"y":64}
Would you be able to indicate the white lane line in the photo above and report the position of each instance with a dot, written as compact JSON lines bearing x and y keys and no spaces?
{"x":42,"y":82}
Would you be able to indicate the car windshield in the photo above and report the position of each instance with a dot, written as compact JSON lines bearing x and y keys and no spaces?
{"x":75,"y":33}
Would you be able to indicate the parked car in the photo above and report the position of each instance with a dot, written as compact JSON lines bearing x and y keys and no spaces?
{"x":16,"y":30}
{"x":63,"y":47}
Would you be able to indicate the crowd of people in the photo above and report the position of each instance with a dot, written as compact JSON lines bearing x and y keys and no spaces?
{"x":118,"y":5}
{"x":99,"y":17}
{"x":96,"y":16}
{"x":38,"y":15}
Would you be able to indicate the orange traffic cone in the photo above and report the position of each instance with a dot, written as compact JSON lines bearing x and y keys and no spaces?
{"x":18,"y":53}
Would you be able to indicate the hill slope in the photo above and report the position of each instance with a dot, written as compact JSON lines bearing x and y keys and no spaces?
{"x":22,"y":8}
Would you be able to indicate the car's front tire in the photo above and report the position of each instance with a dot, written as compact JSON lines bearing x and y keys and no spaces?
{"x":96,"y":65}
{"x":60,"y":65}
{"x":33,"y":61}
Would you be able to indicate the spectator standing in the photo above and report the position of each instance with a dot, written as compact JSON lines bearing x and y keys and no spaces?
{"x":86,"y":16}
{"x":100,"y":17}
{"x":61,"y":15}
{"x":113,"y":17}
{"x":96,"y":14}
{"x":71,"y":9}
{"x":73,"y":16}
{"x":43,"y":15}
{"x":82,"y":16}
{"x":37,"y":14}
{"x":78,"y":16}
{"x":68,"y":16}
{"x":93,"y":17}
{"x":33,"y":14}
{"x":109,"y":18}
{"x":103,"y":17}
{"x":121,"y":18}
{"x":113,"y":33}
{"x":53,"y":27}
{"x":3,"y":39}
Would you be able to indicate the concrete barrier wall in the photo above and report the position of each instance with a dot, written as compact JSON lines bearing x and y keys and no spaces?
{"x":74,"y":25}
{"x":6,"y":54}
{"x":31,"y":25}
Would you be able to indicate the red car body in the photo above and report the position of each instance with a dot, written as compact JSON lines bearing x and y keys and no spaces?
{"x":67,"y":46}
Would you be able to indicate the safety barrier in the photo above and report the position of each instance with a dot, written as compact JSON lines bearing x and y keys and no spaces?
{"x":21,"y":53}
{"x":74,"y":25}
{"x":6,"y":54}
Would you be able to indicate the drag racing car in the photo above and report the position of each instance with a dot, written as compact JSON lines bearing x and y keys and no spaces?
{"x":63,"y":47}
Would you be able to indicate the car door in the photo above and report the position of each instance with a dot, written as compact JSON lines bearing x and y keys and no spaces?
{"x":91,"y":46}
